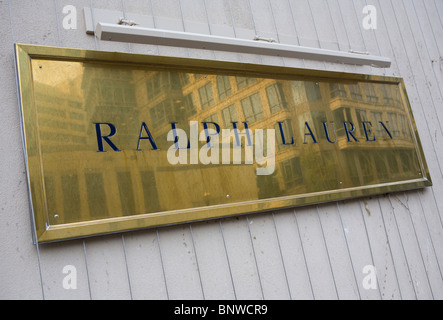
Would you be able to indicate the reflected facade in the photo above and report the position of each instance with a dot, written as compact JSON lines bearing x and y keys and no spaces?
{"x":329,"y":136}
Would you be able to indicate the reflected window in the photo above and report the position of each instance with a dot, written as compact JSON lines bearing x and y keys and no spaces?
{"x":244,"y":81}
{"x":184,"y":79}
{"x":387,"y":94}
{"x":162,"y":81}
{"x":403,"y":125}
{"x":318,"y":117}
{"x":355,"y":92}
{"x":342,"y":115}
{"x":119,"y":94}
{"x":393,"y":125}
{"x":229,"y":115}
{"x":406,"y":161}
{"x":198,"y":76}
{"x":206,"y":96}
{"x":252,"y":108}
{"x":362,"y":117}
{"x":224,"y":87}
{"x":190,"y":108}
{"x":150,"y":194}
{"x":175,"y":82}
{"x":96,"y":195}
{"x":71,"y":194}
{"x":159,"y":113}
{"x":297,"y":92}
{"x":351,"y":164}
{"x":366,"y":169}
{"x":76,"y":116}
{"x":126,"y":193}
{"x":397,"y":97}
{"x":313,"y":92}
{"x":292,"y":172}
{"x":337,"y":90}
{"x":212,"y":118}
{"x":276,"y":97}
{"x":371,"y":96}
{"x":392,"y":162}
{"x":376,"y":118}
{"x":153,"y":85}
{"x":380,"y":165}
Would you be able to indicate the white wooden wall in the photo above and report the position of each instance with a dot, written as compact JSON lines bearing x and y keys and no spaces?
{"x":317,"y":252}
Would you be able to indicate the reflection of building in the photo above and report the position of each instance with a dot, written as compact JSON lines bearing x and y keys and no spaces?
{"x":82,"y":184}
{"x":62,"y":116}
{"x":366,"y":105}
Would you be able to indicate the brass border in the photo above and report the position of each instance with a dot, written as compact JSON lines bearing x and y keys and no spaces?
{"x":47,"y":233}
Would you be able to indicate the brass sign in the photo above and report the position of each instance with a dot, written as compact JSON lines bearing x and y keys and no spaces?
{"x":118,"y":142}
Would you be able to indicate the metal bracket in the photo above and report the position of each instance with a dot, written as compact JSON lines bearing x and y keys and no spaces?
{"x":127,"y":22}
{"x":258,"y":38}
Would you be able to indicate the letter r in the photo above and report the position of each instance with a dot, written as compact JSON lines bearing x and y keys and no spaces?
{"x":100,"y":137}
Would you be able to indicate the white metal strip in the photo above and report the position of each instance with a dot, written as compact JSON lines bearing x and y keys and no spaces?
{"x":135,"y":34}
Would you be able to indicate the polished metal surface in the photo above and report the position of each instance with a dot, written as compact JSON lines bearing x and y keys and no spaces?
{"x":99,"y":158}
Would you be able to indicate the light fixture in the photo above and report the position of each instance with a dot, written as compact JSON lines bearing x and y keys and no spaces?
{"x":135,"y":34}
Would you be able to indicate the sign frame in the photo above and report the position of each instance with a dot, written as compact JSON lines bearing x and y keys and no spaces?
{"x":45,"y":232}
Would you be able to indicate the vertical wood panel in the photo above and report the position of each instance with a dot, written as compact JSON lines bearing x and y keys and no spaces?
{"x":243,"y":25}
{"x":264,"y":26}
{"x":182,"y":274}
{"x":166,"y":15}
{"x":368,"y":36}
{"x":402,"y":267}
{"x":268,"y":257}
{"x":145,"y":266}
{"x":286,"y":28}
{"x":68,"y":254}
{"x":337,"y":245}
{"x":214,"y":264}
{"x":244,"y":270}
{"x":413,"y":253}
{"x":133,"y":9}
{"x":107,"y":268}
{"x":317,"y":256}
{"x":427,"y":246}
{"x":220,"y":23}
{"x":428,"y":198}
{"x":19,"y":265}
{"x":114,"y":5}
{"x":195,"y":20}
{"x":294,"y":258}
{"x":381,"y":250}
{"x":428,"y":118}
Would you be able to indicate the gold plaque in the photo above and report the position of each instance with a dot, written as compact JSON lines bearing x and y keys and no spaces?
{"x":118,"y":141}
